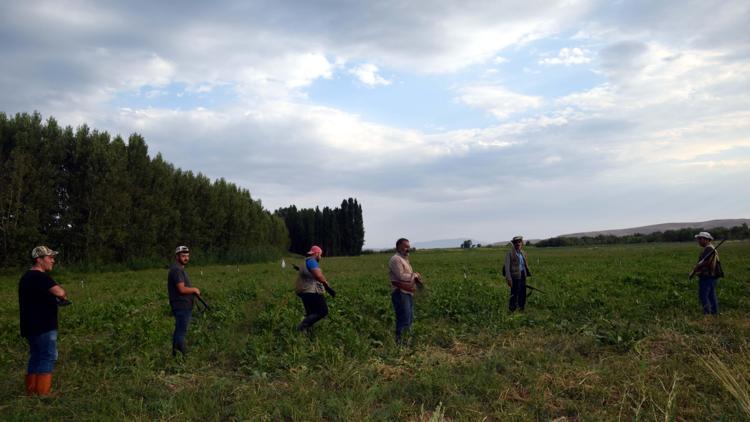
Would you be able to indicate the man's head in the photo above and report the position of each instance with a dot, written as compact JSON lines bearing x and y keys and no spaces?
{"x":704,"y":238}
{"x":43,"y":257}
{"x":315,"y":252}
{"x":182,"y":255}
{"x":517,"y":242}
{"x":403,"y":246}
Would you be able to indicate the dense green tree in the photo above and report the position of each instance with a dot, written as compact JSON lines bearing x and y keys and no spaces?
{"x":101,"y":200}
{"x":339,"y":231}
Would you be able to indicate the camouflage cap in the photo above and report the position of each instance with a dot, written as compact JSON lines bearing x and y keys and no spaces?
{"x":181,"y":249}
{"x":42,"y":251}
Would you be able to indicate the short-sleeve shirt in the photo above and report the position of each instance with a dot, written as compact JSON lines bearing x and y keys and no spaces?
{"x":38,"y":307}
{"x":521,"y":262}
{"x":311,"y":263}
{"x":177,"y":300}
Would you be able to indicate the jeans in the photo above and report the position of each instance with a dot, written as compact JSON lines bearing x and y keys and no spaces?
{"x":403,"y":305}
{"x":181,"y":321}
{"x":316,"y":309}
{"x":518,"y":293}
{"x":707,"y":295}
{"x":43,"y":348}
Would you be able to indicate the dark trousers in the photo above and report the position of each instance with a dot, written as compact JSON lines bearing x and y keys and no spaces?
{"x":316,"y":309}
{"x":518,"y":293}
{"x":403,"y":305}
{"x":707,"y":295}
{"x":181,"y":321}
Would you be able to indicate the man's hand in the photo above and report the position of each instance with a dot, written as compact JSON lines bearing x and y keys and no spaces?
{"x":197,"y":292}
{"x":510,"y":283}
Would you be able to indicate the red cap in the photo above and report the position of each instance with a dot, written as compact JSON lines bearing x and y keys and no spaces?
{"x":315,"y":249}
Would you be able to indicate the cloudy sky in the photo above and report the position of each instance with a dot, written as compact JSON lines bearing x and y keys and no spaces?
{"x":445,"y":119}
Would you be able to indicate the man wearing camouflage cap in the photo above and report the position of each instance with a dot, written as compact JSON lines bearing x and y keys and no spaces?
{"x":38,"y":296}
{"x":181,"y":298}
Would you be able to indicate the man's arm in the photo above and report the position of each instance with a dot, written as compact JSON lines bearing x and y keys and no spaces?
{"x":187,"y":290}
{"x":318,"y":274}
{"x":58,"y":291}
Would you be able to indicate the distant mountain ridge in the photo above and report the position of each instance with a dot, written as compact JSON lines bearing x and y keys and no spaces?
{"x":707,"y":225}
{"x":444,"y":243}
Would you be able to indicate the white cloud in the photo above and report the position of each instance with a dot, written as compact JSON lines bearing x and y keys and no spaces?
{"x":567,"y":56}
{"x":368,"y":74}
{"x":497,"y":100}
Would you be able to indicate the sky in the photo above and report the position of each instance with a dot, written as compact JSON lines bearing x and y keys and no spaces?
{"x":445,"y":119}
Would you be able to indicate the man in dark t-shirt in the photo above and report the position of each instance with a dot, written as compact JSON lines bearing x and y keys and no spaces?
{"x":181,"y":297}
{"x":38,"y":296}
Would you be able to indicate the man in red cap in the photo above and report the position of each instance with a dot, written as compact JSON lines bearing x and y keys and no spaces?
{"x":309,"y":287}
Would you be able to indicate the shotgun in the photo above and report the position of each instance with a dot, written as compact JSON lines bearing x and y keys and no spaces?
{"x":208,"y":308}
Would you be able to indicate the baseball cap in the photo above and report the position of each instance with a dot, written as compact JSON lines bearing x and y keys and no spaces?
{"x":315,"y":249}
{"x":181,"y":249}
{"x":705,"y":235}
{"x":42,"y":251}
{"x":517,"y":239}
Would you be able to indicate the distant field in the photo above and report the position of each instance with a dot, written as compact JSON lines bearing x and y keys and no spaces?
{"x":618,"y":334}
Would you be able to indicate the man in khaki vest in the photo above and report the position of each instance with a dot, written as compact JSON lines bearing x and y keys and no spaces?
{"x":516,"y":271}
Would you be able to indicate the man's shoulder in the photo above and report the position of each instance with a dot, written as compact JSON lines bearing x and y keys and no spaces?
{"x":396,"y":258}
{"x":175,"y":270}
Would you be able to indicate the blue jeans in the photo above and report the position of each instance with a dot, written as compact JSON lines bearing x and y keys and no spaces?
{"x":181,"y":322}
{"x":43,"y":348}
{"x":403,"y":305}
{"x":707,"y":295}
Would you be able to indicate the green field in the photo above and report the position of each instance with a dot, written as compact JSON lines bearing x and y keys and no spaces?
{"x":617,"y":334}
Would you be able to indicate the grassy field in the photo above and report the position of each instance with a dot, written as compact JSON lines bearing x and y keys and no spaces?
{"x":617,"y":334}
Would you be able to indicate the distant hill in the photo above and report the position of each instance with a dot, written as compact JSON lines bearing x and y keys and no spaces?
{"x":444,"y":243}
{"x":728,"y":223}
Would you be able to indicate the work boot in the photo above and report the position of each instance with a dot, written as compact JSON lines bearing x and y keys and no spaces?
{"x":179,"y":347}
{"x":43,"y":384}
{"x":30,"y":384}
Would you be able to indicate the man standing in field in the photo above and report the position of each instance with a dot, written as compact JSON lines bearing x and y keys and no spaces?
{"x":404,"y":283}
{"x":516,"y":270}
{"x":309,"y":287}
{"x":709,"y":271}
{"x":181,"y":298}
{"x":38,"y":296}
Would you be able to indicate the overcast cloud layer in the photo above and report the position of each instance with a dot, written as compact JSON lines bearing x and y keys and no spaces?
{"x":480,"y":119}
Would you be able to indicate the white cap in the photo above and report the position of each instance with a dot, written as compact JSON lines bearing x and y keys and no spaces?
{"x":705,"y":235}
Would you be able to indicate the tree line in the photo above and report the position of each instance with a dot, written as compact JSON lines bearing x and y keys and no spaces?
{"x":101,"y":200}
{"x":681,"y":235}
{"x":339,"y":231}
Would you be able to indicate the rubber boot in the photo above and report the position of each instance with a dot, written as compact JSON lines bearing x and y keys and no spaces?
{"x":30,"y":384}
{"x":43,"y":384}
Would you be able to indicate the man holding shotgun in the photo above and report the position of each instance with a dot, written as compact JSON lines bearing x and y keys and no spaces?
{"x":38,"y":298}
{"x":309,"y":287}
{"x":709,"y":270}
{"x":404,"y":282}
{"x":181,"y":295}
{"x":516,"y":270}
